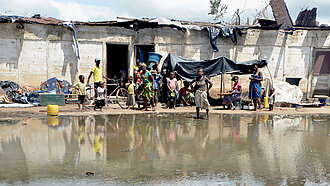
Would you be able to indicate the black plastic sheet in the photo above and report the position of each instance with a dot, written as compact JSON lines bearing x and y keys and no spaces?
{"x":224,"y":32}
{"x":186,"y":69}
{"x":10,"y":89}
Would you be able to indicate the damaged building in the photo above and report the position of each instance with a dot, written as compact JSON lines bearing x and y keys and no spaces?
{"x":36,"y":49}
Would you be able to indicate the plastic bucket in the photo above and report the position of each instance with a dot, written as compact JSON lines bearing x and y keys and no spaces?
{"x":154,"y":57}
{"x":266,"y":104}
{"x":322,"y":101}
{"x":52,"y":110}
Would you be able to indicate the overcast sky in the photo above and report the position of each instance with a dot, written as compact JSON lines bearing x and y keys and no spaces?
{"x":196,"y":10}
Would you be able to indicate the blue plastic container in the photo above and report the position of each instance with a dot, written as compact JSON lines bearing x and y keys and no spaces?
{"x":322,"y":101}
{"x":154,"y":57}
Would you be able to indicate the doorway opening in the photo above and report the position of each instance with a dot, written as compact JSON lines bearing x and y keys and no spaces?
{"x":117,"y":64}
{"x":321,"y":72}
{"x":293,"y":81}
{"x":142,"y":53}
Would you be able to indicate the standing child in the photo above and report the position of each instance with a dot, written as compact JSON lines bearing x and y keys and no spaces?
{"x":81,"y":87}
{"x":130,"y":89}
{"x":100,"y":97}
{"x":172,"y":84}
{"x":138,"y":80}
{"x":271,"y":99}
{"x":157,"y":78}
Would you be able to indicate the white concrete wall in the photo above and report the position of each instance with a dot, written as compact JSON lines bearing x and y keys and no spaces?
{"x":38,"y":52}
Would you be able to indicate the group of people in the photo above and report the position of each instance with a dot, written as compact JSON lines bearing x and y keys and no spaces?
{"x":147,"y":82}
{"x":254,"y":91}
{"x":99,"y":88}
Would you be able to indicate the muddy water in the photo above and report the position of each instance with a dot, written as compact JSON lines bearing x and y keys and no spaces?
{"x":166,"y":149}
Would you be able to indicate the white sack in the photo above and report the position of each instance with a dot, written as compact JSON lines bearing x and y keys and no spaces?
{"x":286,"y":93}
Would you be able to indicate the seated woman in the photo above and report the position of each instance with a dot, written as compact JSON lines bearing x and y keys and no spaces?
{"x":236,"y":94}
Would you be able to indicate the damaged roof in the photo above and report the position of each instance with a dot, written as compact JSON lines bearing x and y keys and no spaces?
{"x":46,"y":21}
{"x":136,"y":24}
{"x":37,"y":19}
{"x":281,"y":14}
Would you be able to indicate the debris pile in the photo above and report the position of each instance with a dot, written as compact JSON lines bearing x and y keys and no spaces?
{"x":11,"y":92}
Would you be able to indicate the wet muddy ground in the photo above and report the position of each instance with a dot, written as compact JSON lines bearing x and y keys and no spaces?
{"x":166,"y":149}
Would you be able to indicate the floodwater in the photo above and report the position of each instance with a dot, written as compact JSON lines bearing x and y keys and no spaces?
{"x":167,"y":149}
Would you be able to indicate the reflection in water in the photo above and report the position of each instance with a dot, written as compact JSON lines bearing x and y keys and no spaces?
{"x":167,"y":148}
{"x":15,"y":161}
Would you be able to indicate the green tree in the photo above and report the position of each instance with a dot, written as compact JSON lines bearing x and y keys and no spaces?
{"x":217,"y":9}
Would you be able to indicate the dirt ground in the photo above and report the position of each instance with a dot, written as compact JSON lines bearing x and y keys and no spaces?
{"x":71,"y":110}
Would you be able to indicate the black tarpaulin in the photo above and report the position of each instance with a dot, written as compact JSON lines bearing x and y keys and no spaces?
{"x":11,"y":89}
{"x":186,"y":69}
{"x":224,"y":32}
{"x":213,"y":34}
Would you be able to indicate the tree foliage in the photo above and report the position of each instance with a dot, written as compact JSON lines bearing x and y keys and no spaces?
{"x":217,"y":9}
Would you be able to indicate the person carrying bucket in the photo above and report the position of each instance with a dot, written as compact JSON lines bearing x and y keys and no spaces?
{"x":154,"y":60}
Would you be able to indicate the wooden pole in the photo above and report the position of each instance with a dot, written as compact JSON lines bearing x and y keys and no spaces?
{"x":221,"y":80}
{"x":224,"y":84}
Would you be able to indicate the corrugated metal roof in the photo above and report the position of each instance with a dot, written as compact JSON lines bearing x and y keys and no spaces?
{"x":41,"y":20}
{"x":142,"y":23}
{"x":281,"y":14}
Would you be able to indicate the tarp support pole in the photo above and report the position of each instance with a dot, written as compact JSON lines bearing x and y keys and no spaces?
{"x":224,"y":84}
{"x":220,"y":84}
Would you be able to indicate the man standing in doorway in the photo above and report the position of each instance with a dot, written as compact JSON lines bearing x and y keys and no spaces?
{"x":97,"y":73}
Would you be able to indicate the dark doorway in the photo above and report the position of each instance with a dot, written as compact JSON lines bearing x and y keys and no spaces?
{"x":117,"y":64}
{"x":142,"y":53}
{"x":293,"y":81}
